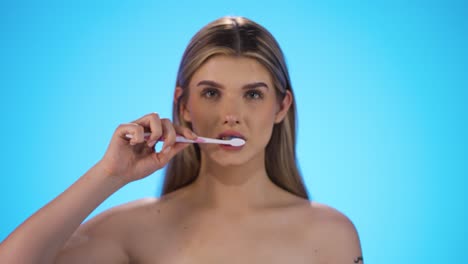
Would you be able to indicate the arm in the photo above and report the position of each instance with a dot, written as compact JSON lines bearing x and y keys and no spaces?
{"x":343,"y":245}
{"x":338,"y":238}
{"x":345,"y":240}
{"x":42,"y":237}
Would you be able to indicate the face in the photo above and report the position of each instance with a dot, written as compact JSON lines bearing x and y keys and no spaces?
{"x":233,"y":97}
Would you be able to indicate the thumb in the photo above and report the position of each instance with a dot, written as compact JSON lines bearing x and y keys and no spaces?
{"x":163,"y":157}
{"x":174,"y":149}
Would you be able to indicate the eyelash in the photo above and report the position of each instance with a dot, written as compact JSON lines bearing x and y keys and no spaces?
{"x":252,"y":94}
{"x":205,"y":93}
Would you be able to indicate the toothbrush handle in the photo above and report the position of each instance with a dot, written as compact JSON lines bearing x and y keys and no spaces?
{"x":184,"y":140}
{"x":178,"y":138}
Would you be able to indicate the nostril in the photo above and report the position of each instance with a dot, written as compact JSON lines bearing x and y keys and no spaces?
{"x":231,"y":119}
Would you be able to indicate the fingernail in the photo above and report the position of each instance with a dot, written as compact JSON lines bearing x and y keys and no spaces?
{"x":151,"y":143}
{"x":166,"y":150}
{"x":193,"y":134}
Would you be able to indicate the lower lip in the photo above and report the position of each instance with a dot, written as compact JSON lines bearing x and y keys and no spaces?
{"x":230,"y":148}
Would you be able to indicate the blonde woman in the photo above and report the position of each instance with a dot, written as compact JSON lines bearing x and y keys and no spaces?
{"x":220,"y":204}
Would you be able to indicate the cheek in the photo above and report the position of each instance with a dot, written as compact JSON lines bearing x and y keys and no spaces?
{"x":262,"y":120}
{"x":266,"y":113}
{"x":201,"y":116}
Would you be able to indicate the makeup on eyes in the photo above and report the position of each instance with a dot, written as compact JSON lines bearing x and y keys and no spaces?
{"x":252,"y":93}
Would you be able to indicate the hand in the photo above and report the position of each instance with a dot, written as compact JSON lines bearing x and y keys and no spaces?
{"x":135,"y":158}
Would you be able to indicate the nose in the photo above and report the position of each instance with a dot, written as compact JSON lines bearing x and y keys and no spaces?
{"x":230,"y":111}
{"x":231,"y":120}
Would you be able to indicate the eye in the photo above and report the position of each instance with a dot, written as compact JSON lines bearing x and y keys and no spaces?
{"x":254,"y":94}
{"x":210,"y":93}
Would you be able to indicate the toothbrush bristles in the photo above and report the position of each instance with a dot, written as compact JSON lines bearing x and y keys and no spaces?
{"x":237,"y":142}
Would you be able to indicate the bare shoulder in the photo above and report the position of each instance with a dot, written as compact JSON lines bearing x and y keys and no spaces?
{"x":329,"y":215}
{"x":116,"y":216}
{"x":104,"y":237}
{"x":122,"y":223}
{"x":332,"y":234}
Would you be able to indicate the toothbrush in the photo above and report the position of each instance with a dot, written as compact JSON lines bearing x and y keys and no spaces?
{"x":235,"y":142}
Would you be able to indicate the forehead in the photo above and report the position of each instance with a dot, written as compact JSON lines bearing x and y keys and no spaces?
{"x":230,"y":70}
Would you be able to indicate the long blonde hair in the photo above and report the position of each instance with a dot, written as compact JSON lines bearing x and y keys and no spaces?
{"x":238,"y":36}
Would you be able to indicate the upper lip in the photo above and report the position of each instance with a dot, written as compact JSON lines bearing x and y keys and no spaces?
{"x":231,"y":133}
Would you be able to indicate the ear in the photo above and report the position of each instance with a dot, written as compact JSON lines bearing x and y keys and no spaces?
{"x":184,"y":113}
{"x":284,"y":107}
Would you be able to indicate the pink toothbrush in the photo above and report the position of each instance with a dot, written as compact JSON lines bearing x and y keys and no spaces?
{"x":235,"y":142}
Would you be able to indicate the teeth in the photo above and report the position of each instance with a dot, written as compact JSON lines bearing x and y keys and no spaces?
{"x":228,"y":137}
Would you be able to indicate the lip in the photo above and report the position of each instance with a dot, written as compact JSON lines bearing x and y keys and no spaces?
{"x":231,"y":133}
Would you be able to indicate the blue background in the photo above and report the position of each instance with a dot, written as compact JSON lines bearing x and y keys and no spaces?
{"x":381,"y":91}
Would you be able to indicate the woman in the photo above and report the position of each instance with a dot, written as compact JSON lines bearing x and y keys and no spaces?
{"x":220,"y":204}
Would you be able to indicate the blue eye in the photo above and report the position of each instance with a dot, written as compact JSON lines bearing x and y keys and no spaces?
{"x":254,"y":94}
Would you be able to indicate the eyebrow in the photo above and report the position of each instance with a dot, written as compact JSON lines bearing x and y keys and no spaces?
{"x":246,"y":87}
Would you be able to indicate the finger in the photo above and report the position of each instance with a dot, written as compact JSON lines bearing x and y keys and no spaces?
{"x":134,"y":130}
{"x":163,"y":157}
{"x":155,"y":127}
{"x":178,"y":147}
{"x":186,"y":132}
{"x":151,"y":123}
{"x":169,"y":133}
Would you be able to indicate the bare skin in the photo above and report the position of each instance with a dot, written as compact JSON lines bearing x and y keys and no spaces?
{"x":232,"y":213}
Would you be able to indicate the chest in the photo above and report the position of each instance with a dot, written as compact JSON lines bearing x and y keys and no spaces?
{"x":227,"y":242}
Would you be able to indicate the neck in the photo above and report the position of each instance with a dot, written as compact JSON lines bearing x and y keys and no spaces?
{"x":233,"y":188}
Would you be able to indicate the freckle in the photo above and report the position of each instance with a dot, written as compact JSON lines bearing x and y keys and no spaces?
{"x":185,"y":227}
{"x":159,"y":211}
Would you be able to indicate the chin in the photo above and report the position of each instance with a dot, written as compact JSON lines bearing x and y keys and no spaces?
{"x":225,"y":158}
{"x":231,"y":165}
{"x":228,"y":160}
